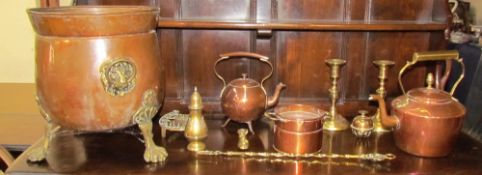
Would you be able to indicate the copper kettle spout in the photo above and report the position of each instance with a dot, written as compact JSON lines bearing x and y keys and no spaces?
{"x":387,"y":121}
{"x":274,"y":99}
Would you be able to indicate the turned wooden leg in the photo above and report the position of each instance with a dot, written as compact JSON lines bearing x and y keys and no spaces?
{"x":143,"y":118}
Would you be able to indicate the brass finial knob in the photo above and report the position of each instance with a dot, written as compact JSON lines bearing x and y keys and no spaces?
{"x":243,"y":142}
{"x":430,"y":80}
{"x":244,"y":75}
{"x":196,"y":100}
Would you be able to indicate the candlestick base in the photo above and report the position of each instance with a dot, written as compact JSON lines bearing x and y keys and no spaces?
{"x":338,"y":124}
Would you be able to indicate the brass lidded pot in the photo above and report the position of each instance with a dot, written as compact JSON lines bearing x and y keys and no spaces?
{"x":244,"y":99}
{"x":426,"y":121}
{"x":362,"y":125}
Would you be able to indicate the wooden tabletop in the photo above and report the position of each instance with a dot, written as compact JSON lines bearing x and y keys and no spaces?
{"x":19,"y":131}
{"x":120,"y":152}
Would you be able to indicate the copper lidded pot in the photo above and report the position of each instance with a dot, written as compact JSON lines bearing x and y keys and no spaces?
{"x":97,"y":66}
{"x":244,"y":99}
{"x":298,"y":128}
{"x":426,"y":121}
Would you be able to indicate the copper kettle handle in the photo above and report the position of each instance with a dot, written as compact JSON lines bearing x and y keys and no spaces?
{"x":226,"y":56}
{"x":434,"y":56}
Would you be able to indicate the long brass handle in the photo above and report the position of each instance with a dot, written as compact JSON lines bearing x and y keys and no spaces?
{"x":251,"y":55}
{"x":433,"y":56}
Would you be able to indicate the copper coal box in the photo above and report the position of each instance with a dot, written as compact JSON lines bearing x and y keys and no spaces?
{"x":98,"y":69}
{"x":298,"y":128}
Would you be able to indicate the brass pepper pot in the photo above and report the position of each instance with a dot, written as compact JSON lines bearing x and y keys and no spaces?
{"x":196,"y":129}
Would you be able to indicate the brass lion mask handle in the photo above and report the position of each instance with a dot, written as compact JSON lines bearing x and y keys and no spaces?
{"x":433,"y":56}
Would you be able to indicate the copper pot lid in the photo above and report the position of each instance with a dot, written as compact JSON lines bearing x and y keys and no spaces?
{"x":429,"y":103}
{"x":244,"y":82}
{"x":299,"y":112}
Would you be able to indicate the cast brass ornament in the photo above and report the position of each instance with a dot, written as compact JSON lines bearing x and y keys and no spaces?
{"x":375,"y":157}
{"x":40,"y":153}
{"x":243,"y":142}
{"x":118,"y":76}
{"x":143,"y":117}
{"x":173,"y":121}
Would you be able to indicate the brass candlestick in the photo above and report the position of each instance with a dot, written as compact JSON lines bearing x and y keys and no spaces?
{"x":196,"y":128}
{"x":382,"y":77}
{"x":336,"y":122}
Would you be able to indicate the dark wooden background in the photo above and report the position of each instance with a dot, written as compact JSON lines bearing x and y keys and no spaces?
{"x":365,"y":30}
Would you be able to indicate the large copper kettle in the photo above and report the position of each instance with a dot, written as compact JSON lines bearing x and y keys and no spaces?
{"x":426,"y":121}
{"x":244,"y":99}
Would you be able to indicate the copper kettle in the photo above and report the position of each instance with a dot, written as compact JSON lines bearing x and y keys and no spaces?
{"x":244,"y":99}
{"x":426,"y":121}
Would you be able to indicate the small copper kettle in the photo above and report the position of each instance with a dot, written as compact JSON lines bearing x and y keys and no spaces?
{"x":244,"y":99}
{"x":426,"y":121}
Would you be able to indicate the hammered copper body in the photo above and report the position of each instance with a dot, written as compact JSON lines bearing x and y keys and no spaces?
{"x":73,"y":44}
{"x":429,"y":123}
{"x":244,"y":99}
{"x":426,"y":121}
{"x":298,"y":128}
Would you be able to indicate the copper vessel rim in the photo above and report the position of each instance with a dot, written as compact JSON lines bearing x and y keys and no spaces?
{"x":445,"y":100}
{"x":285,"y":119}
{"x":93,"y":10}
{"x":244,"y":86}
{"x":96,"y":37}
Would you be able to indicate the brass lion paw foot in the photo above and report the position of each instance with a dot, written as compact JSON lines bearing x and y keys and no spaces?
{"x":155,"y":154}
{"x":37,"y":154}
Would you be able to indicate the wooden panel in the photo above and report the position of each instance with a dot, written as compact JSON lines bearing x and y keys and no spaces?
{"x":399,"y":47}
{"x":356,"y":9}
{"x":225,"y":9}
{"x":415,"y":10}
{"x":169,"y":8}
{"x":301,"y":62}
{"x":200,"y":49}
{"x":310,"y":9}
{"x":355,"y":45}
{"x":441,"y":11}
{"x":169,"y":44}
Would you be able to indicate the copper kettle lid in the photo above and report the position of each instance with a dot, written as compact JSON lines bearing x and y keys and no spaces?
{"x":429,"y":102}
{"x":244,"y":82}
